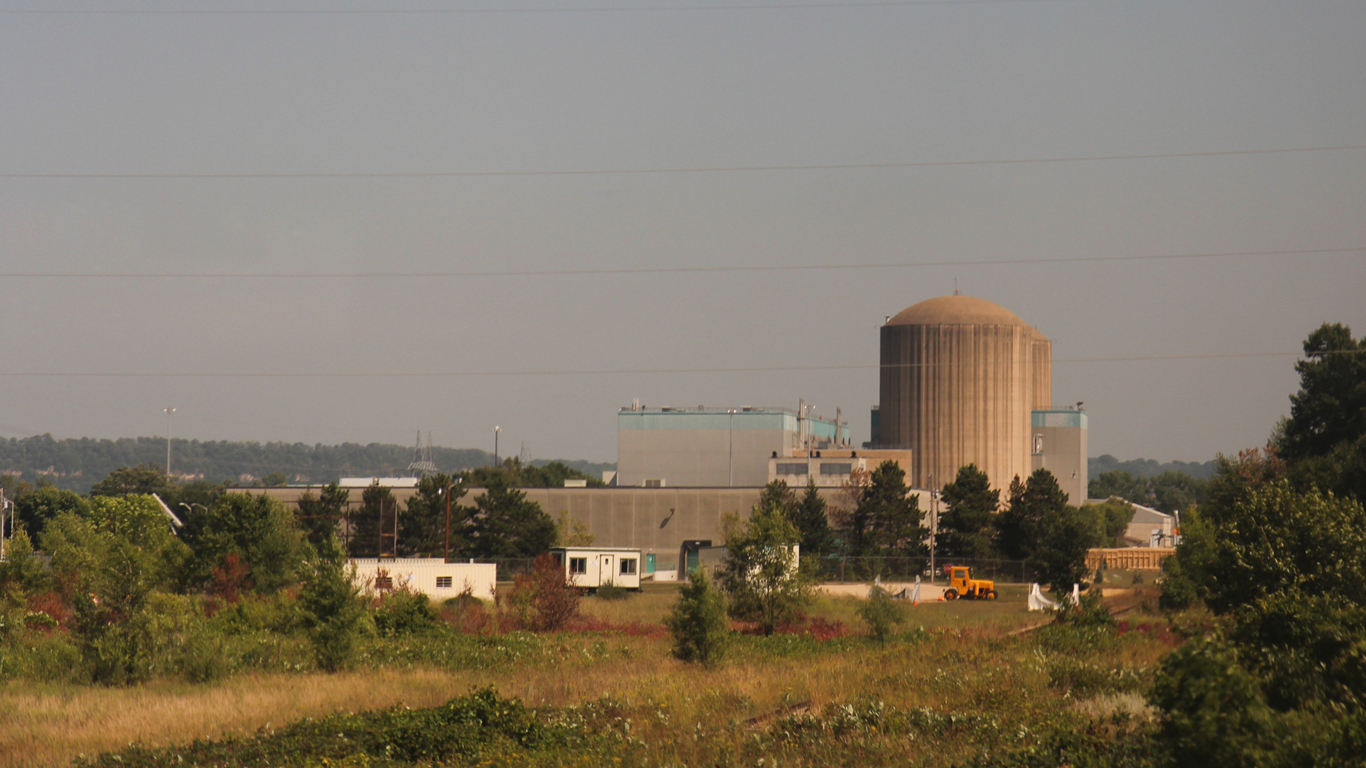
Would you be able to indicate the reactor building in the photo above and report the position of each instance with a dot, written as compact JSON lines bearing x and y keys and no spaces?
{"x":965,"y":381}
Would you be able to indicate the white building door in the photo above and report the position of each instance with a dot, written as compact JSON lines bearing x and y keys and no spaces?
{"x":607,"y":575}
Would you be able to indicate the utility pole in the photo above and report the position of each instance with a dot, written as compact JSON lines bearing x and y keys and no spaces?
{"x":934,"y":524}
{"x":168,"y":411}
{"x":448,"y":520}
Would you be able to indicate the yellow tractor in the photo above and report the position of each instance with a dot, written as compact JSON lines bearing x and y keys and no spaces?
{"x":961,"y":584}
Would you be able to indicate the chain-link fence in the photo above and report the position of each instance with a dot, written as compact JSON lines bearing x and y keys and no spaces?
{"x":837,"y":568}
{"x":861,"y":569}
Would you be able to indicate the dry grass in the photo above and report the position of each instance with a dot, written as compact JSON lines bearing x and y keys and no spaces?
{"x":968,"y":664}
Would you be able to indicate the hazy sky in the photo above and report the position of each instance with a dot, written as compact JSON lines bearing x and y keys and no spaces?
{"x":699,"y":84}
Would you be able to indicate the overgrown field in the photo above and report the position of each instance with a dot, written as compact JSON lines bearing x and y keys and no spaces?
{"x":959,"y":683}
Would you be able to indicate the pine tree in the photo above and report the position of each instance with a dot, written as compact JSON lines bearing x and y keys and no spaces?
{"x":332,"y":609}
{"x":886,"y":522}
{"x":698,"y":621}
{"x":966,"y":525}
{"x":812,"y":519}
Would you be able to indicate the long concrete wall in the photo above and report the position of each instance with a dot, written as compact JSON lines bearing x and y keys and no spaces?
{"x":655,"y":520}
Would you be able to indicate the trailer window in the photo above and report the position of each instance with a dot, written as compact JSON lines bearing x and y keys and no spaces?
{"x":578,"y":565}
{"x":443,"y":582}
{"x":628,"y":566}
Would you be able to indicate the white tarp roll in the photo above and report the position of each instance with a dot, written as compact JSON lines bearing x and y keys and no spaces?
{"x":915,"y":591}
{"x":1037,"y":602}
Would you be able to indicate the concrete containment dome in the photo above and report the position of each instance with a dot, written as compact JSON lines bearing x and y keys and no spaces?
{"x":960,"y":377}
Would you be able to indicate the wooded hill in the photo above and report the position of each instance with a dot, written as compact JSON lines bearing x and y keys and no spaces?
{"x":78,"y":464}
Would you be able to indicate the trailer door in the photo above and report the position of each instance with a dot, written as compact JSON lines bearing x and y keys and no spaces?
{"x":607,"y":575}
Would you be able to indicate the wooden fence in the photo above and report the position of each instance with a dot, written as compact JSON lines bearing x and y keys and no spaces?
{"x":1129,"y":558}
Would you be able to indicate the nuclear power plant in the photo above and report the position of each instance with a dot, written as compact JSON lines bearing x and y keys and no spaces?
{"x":960,"y":380}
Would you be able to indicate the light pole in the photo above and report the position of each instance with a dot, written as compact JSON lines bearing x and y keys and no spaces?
{"x":168,"y":411}
{"x":496,"y":430}
{"x":934,"y":528}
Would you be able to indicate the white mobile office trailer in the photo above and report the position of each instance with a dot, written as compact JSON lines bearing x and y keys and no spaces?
{"x":593,"y":567}
{"x":434,"y":577}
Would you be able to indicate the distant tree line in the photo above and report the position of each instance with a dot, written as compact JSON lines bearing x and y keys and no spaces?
{"x":77,"y":464}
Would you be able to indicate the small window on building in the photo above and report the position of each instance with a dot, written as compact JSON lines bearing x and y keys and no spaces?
{"x":791,"y":469}
{"x":443,"y":582}
{"x":578,"y":565}
{"x":628,"y":566}
{"x":384,"y":581}
{"x":656,"y":482}
{"x":836,"y":469}
{"x":1038,"y":444}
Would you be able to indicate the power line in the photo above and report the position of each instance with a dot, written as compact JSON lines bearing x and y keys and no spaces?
{"x":686,"y":170}
{"x":664,"y":270}
{"x":605,"y":371}
{"x":513,"y":11}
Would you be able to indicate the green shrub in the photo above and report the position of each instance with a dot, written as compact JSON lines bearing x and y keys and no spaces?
{"x":613,"y":592}
{"x":332,"y":609}
{"x":698,"y":621}
{"x":881,"y":613}
{"x":404,"y":612}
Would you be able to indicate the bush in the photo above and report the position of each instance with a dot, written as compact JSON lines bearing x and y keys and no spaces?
{"x":544,"y":599}
{"x":698,"y":621}
{"x":332,"y":608}
{"x":613,"y":592}
{"x":881,"y":613}
{"x":404,"y":612}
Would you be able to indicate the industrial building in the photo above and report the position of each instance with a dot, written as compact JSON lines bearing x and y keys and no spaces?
{"x":965,"y":381}
{"x":1060,"y":447}
{"x":715,"y":447}
{"x":960,"y":377}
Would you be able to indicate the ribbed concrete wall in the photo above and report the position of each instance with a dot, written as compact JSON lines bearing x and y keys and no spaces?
{"x":959,"y":379}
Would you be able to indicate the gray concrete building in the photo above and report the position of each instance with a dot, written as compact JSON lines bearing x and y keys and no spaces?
{"x":960,"y":377}
{"x":1060,"y":447}
{"x":714,"y":447}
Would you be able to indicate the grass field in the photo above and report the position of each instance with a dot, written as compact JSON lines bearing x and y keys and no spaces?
{"x":958,"y":682}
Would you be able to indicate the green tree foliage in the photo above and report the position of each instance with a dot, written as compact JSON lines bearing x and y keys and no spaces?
{"x":21,"y":568}
{"x":504,"y":523}
{"x":811,"y":515}
{"x":1330,"y":407}
{"x":1274,"y":540}
{"x":1324,"y":439}
{"x":967,"y":523}
{"x":1170,"y":491}
{"x":886,"y":521}
{"x":320,"y":516}
{"x":881,"y":613}
{"x":698,"y":621}
{"x":422,"y":526}
{"x":512,"y":472}
{"x":363,"y":537}
{"x":1063,"y":537}
{"x":259,"y":530}
{"x":760,"y":574}
{"x":1213,"y":709}
{"x":36,"y":508}
{"x":1113,"y":517}
{"x":1020,"y":525}
{"x":126,"y":481}
{"x":570,"y":532}
{"x":332,"y":609}
{"x":110,"y":562}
